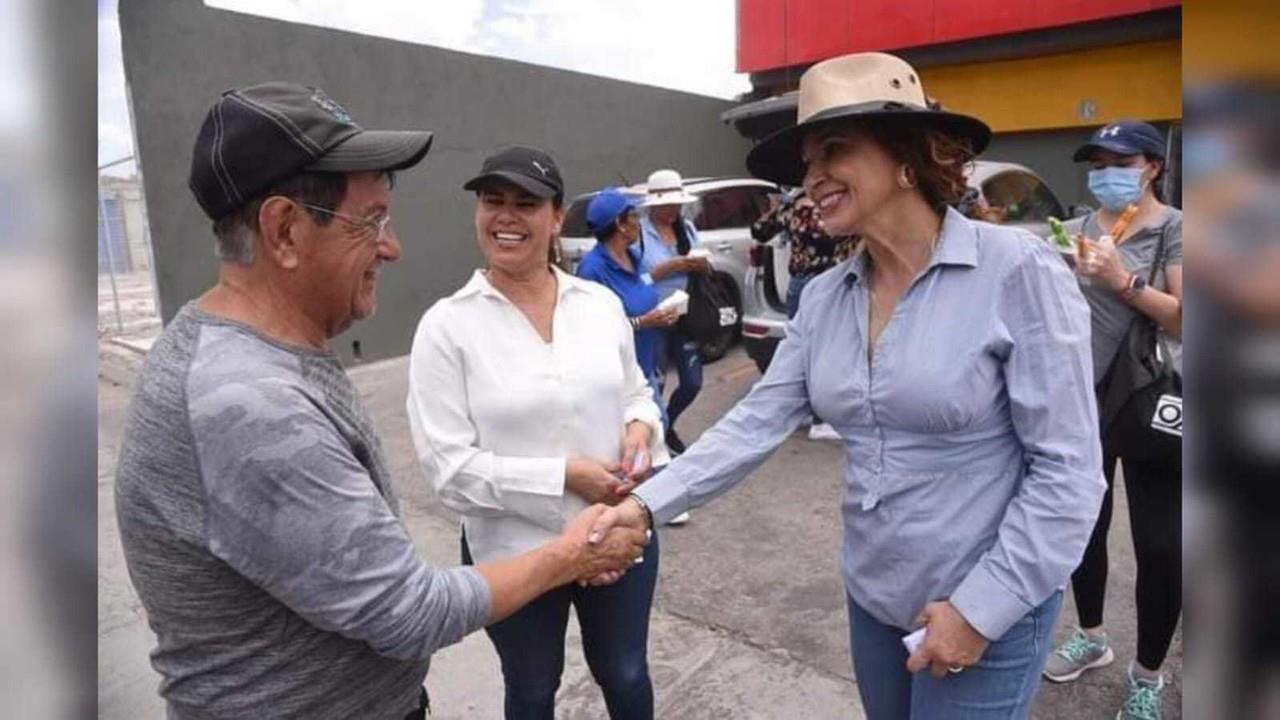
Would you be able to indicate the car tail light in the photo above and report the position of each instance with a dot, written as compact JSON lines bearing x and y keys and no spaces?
{"x":753,"y":330}
{"x":756,"y":256}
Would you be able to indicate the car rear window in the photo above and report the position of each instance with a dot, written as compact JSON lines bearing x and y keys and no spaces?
{"x":575,"y":219}
{"x":1021,"y":197}
{"x":732,"y":207}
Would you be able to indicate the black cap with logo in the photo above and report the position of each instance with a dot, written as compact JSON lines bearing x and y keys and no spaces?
{"x":525,"y":167}
{"x":255,"y":137}
{"x":1124,"y":137}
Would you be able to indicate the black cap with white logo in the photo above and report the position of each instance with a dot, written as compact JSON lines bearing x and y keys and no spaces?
{"x":255,"y":137}
{"x":525,"y":167}
{"x":1125,"y":137}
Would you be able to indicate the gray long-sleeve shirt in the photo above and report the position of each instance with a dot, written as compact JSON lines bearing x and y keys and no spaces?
{"x":261,"y":533}
{"x":973,"y":468}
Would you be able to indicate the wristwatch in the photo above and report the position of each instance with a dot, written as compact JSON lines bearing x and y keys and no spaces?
{"x":1134,"y":287}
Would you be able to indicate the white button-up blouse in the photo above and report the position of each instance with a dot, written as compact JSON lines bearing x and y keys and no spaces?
{"x":495,"y":412}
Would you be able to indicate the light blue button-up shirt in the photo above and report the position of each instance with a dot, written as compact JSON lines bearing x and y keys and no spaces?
{"x":656,"y":251}
{"x":973,"y":468}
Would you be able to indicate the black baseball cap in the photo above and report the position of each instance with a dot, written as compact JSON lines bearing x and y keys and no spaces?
{"x":255,"y":137}
{"x":525,"y":167}
{"x":1125,"y":137}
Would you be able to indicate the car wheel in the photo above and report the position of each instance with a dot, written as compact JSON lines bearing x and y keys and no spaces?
{"x":760,"y":350}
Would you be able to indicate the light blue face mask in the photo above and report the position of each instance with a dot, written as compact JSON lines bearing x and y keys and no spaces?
{"x":1116,"y":187}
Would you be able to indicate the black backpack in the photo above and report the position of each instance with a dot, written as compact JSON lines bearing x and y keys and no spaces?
{"x":710,"y":309}
{"x":711,"y":306}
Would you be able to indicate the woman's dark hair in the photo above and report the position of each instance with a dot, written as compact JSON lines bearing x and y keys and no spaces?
{"x":937,"y":161}
{"x":683,"y":242}
{"x":1157,"y":182}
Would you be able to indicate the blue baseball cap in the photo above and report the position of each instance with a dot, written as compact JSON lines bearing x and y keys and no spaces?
{"x":606,"y":206}
{"x":1124,"y":137}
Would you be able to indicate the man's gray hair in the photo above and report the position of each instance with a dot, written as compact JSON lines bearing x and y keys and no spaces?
{"x":236,"y":244}
{"x":236,"y":234}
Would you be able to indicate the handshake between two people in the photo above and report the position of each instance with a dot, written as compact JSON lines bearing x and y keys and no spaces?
{"x":610,"y":543}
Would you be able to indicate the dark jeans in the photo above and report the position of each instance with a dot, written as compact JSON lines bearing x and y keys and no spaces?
{"x":794,"y":288}
{"x":615,"y":636}
{"x":678,"y":351}
{"x":1155,"y":516}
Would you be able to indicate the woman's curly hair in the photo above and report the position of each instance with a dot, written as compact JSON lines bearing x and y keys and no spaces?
{"x":937,"y":161}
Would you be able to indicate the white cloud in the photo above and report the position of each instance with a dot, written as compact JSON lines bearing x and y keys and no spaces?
{"x":684,"y":45}
{"x":115,"y":138}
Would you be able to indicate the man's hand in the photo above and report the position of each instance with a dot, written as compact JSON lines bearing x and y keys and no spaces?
{"x":628,"y":514}
{"x":636,"y":460}
{"x":610,"y":556}
{"x":951,"y":642}
{"x":595,"y":482}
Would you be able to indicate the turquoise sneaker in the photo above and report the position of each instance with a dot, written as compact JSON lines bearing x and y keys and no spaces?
{"x":1077,"y":654}
{"x":1144,"y":699}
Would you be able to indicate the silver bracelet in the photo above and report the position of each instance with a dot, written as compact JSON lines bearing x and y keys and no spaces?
{"x":648,"y":514}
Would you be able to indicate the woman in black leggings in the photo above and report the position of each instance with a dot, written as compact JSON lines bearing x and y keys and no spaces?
{"x":1126,"y":164}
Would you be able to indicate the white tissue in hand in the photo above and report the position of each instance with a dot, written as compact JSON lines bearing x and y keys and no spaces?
{"x":914,"y":640}
{"x":678,"y":300}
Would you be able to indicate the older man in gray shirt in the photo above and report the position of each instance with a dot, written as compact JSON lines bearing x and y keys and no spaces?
{"x":254,"y":503}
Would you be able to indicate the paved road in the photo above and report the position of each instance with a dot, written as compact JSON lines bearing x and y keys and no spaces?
{"x":749,"y":620}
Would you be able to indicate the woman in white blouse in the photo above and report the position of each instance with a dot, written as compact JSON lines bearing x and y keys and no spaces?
{"x":526,"y":404}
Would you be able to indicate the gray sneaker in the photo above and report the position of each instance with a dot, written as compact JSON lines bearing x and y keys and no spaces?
{"x":1079,"y":653}
{"x":1143,"y":702}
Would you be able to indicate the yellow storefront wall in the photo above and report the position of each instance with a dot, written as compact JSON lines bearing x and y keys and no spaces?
{"x":1142,"y":81}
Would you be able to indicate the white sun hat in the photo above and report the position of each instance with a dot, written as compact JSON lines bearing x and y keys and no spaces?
{"x":666,"y":187}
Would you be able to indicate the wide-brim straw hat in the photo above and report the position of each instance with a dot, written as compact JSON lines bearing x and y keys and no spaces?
{"x":666,"y":187}
{"x":873,"y":87}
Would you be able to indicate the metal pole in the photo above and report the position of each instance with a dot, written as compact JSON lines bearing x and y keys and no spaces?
{"x":113,"y":163}
{"x":111,"y":259}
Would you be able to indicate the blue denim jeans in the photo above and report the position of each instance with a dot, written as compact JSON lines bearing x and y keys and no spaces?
{"x":794,"y":288}
{"x":1002,"y":685}
{"x":679,"y":352}
{"x":615,"y":639}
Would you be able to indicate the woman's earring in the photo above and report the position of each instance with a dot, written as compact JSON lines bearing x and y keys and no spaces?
{"x":906,"y":178}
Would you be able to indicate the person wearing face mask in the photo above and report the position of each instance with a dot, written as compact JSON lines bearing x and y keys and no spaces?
{"x":1126,"y":164}
{"x":526,"y":403}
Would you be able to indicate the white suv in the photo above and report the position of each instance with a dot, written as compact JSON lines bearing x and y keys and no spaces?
{"x":723,"y":214}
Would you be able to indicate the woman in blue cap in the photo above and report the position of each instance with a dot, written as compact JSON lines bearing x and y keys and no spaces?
{"x":1126,"y":165}
{"x":615,"y":263}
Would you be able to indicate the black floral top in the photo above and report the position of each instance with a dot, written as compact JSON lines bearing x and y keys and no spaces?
{"x":812,"y":250}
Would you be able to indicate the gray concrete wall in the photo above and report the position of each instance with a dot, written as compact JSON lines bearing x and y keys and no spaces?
{"x":179,"y":55}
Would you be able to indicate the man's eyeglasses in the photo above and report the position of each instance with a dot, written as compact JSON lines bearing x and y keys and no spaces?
{"x":375,"y":228}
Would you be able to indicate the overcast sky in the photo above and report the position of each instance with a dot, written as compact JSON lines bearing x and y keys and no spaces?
{"x":681,"y":44}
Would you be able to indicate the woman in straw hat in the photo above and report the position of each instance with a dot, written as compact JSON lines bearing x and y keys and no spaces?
{"x":952,"y":356}
{"x":665,"y":241}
